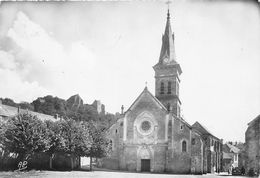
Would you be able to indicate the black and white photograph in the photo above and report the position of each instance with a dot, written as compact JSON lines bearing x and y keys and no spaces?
{"x":133,"y":89}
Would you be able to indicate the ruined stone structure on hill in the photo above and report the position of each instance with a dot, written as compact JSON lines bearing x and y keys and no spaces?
{"x":99,"y":107}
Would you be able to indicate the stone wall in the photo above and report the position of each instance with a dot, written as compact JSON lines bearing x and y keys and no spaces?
{"x":179,"y":161}
{"x":253,"y":146}
{"x":196,"y":154}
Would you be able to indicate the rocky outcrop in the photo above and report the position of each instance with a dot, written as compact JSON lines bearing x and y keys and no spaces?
{"x":74,"y":102}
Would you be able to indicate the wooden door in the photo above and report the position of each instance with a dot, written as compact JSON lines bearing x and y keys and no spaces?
{"x":145,"y":165}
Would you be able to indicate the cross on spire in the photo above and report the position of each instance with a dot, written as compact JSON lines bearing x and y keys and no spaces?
{"x":168,"y":4}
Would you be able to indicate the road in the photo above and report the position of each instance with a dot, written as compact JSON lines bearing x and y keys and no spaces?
{"x":102,"y":174}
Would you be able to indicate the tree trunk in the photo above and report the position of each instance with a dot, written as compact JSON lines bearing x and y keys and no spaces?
{"x":90,"y":164}
{"x":51,"y":157}
{"x":71,"y":162}
{"x":79,"y":162}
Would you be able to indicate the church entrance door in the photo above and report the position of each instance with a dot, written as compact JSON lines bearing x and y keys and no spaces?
{"x":145,"y":165}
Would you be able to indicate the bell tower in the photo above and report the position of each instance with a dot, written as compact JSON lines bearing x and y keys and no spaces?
{"x":167,"y":72}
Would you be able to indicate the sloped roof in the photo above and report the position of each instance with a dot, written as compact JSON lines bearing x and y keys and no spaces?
{"x":254,"y":120}
{"x":202,"y":129}
{"x":10,"y":111}
{"x":146,"y":91}
{"x":233,"y":148}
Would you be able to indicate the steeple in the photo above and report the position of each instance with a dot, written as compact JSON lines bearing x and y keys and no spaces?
{"x":167,"y":55}
{"x":167,"y":72}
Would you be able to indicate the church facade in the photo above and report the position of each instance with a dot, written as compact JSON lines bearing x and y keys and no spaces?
{"x":151,"y":136}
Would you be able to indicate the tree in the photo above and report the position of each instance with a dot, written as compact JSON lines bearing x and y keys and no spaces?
{"x":50,"y":105}
{"x":100,"y":146}
{"x":26,"y":105}
{"x":84,"y":113}
{"x":56,"y":142}
{"x":77,"y":140}
{"x":105,"y":121}
{"x":9,"y":102}
{"x":25,"y":135}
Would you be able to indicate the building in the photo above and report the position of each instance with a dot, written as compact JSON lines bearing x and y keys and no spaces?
{"x":99,"y":107}
{"x":230,"y":156}
{"x":61,"y":161}
{"x":212,"y":149}
{"x":252,"y":146}
{"x":152,"y":136}
{"x":11,"y":111}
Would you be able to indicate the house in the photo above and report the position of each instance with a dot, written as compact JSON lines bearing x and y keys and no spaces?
{"x":11,"y":111}
{"x":252,"y":146}
{"x":212,"y":149}
{"x":230,"y":156}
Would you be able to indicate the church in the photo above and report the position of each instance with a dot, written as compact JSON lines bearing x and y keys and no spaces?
{"x":151,"y":135}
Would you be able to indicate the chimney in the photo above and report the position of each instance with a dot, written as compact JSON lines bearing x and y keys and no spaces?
{"x":122,"y":109}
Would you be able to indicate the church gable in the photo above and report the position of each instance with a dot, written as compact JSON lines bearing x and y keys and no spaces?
{"x":146,"y":108}
{"x":146,"y":100}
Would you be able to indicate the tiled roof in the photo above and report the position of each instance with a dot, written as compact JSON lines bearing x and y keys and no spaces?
{"x":233,"y":148}
{"x":202,"y":129}
{"x":10,"y":111}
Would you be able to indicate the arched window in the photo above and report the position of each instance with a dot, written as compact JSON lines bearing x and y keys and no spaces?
{"x":162,"y":88}
{"x":193,"y":141}
{"x":169,"y":87}
{"x":184,"y":146}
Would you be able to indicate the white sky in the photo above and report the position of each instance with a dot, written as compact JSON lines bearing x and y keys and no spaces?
{"x":106,"y":50}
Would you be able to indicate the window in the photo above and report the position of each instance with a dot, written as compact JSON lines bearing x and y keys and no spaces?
{"x":182,"y":126}
{"x":169,"y":88}
{"x":193,"y":142}
{"x":146,"y":125}
{"x":116,"y":130}
{"x":162,"y":88}
{"x":168,"y":107}
{"x":111,"y":144}
{"x":184,"y":146}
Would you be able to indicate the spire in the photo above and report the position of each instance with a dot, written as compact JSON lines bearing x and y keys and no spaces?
{"x":167,"y":55}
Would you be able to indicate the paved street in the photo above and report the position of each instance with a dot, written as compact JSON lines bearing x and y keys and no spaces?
{"x":101,"y":174}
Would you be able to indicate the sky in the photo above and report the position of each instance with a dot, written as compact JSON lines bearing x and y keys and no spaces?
{"x":106,"y":50}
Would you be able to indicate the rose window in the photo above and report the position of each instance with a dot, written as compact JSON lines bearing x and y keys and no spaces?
{"x":146,"y":125}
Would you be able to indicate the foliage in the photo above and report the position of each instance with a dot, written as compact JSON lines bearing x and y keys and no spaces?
{"x":83,"y":113}
{"x":76,"y":137}
{"x":100,"y":146}
{"x":9,"y":102}
{"x":50,"y":105}
{"x":26,"y":105}
{"x":24,"y":134}
{"x":106,"y":121}
{"x":56,"y":142}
